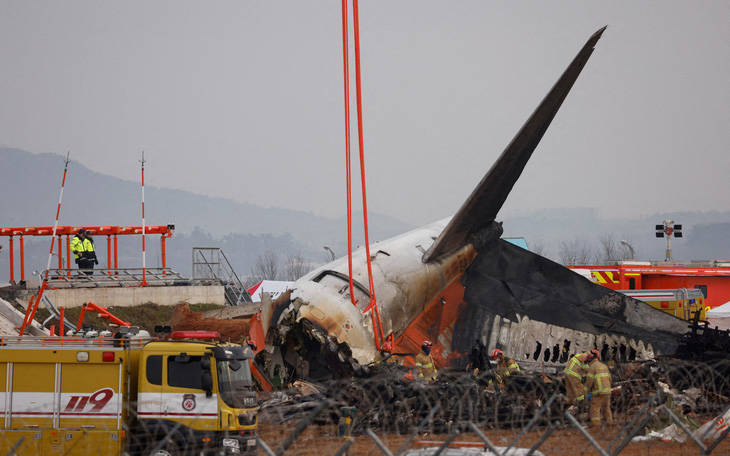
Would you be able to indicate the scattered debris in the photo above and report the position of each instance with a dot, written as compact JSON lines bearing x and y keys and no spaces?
{"x":386,"y":403}
{"x":235,"y":330}
{"x":450,"y":451}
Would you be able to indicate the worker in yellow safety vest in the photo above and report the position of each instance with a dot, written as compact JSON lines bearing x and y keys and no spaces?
{"x":506,"y":366}
{"x":598,"y":385}
{"x":574,"y":373}
{"x":89,"y":254}
{"x":77,"y":246}
{"x":424,"y":362}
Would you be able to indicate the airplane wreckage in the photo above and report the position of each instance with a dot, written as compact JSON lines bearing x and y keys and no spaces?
{"x":456,"y":282}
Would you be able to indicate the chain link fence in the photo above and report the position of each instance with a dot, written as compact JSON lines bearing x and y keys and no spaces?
{"x":660,"y":405}
{"x":668,"y":406}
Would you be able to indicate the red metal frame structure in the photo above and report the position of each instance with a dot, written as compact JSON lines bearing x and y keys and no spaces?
{"x":103,"y":313}
{"x":165,"y":231}
{"x":712,"y":277}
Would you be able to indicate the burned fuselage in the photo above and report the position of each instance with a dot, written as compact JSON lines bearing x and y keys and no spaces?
{"x":321,"y":301}
{"x":506,"y":297}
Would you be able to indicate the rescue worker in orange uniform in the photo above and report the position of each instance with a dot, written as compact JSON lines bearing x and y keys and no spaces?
{"x":506,"y":366}
{"x":424,"y":362}
{"x":574,"y":373}
{"x":385,"y":355}
{"x":598,"y":385}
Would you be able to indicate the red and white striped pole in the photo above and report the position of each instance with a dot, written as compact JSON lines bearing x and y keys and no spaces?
{"x":33,"y":307}
{"x":144,"y":266}
{"x":58,"y":211}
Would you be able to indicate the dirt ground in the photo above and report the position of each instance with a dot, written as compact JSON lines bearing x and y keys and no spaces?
{"x":147,"y":316}
{"x":322,"y":440}
{"x":234,"y":330}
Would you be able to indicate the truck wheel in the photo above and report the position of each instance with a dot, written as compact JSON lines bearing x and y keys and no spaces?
{"x":170,"y":448}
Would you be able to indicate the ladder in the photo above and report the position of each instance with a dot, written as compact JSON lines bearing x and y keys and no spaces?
{"x":210,"y":263}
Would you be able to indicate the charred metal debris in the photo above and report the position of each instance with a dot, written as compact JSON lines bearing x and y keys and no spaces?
{"x":703,"y":343}
{"x":385,"y":403}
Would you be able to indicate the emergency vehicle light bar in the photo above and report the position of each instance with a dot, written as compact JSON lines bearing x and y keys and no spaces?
{"x":195,"y":335}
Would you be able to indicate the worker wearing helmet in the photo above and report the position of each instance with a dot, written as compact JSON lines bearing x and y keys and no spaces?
{"x":424,"y":362}
{"x":574,"y":373}
{"x":598,"y":384}
{"x":506,"y":366}
{"x":77,"y":246}
{"x":88,"y":257}
{"x":385,"y":355}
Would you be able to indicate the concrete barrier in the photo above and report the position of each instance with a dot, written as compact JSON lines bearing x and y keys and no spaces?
{"x":135,"y":296}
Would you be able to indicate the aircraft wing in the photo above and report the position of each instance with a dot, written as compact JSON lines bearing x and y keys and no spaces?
{"x":482,"y":206}
{"x":512,"y":283}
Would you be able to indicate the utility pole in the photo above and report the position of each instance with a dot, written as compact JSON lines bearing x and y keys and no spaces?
{"x":330,"y":251}
{"x":631,"y":249}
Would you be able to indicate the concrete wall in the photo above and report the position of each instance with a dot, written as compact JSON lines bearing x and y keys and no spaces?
{"x":134,"y":296}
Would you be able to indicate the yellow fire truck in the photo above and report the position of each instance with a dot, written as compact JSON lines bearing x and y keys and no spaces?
{"x":126,"y":394}
{"x":682,"y":302}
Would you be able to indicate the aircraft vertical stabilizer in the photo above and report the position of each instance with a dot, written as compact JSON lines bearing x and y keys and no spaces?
{"x":481,"y":208}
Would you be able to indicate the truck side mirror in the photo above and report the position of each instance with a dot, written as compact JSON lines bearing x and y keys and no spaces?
{"x":207,"y":380}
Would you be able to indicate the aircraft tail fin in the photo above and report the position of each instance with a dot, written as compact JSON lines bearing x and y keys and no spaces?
{"x":482,"y":206}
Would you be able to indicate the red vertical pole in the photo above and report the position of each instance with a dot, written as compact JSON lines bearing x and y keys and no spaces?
{"x":22,"y":259}
{"x":116,"y":258}
{"x":108,"y":251}
{"x":144,"y":266}
{"x":164,"y":255}
{"x":11,"y":255}
{"x":61,"y":325}
{"x":68,"y":254}
{"x":60,"y":252}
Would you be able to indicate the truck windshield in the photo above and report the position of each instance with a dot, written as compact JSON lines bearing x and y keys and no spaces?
{"x":234,"y":383}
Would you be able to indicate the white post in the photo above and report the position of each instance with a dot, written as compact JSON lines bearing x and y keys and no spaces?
{"x":144,"y":266}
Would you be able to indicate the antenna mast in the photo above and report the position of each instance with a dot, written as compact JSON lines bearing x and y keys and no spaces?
{"x":33,"y":304}
{"x":144,"y":266}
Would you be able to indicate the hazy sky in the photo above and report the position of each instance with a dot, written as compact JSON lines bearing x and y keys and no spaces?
{"x":244,"y":99}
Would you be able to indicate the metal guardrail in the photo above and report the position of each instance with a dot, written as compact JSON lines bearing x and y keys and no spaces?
{"x":121,"y":277}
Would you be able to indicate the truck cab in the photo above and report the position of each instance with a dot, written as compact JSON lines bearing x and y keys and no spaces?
{"x":195,"y":395}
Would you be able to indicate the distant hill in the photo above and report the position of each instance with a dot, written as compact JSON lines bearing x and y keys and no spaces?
{"x":31,"y":185}
{"x":90,"y":198}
